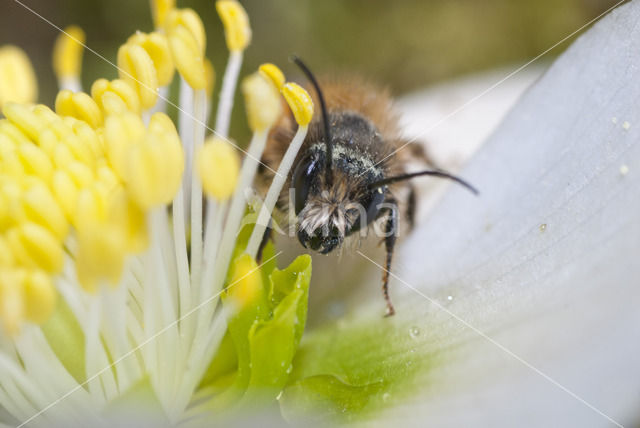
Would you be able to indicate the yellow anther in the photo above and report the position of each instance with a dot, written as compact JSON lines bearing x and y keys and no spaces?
{"x":6,"y":257}
{"x":112,"y":104}
{"x":108,"y":226}
{"x":136,"y":68}
{"x":11,"y":131}
{"x":218,"y":166}
{"x":162,"y":124}
{"x":80,"y":151}
{"x":6,"y":221}
{"x":17,"y":79}
{"x":40,"y":296}
{"x":299,"y":102}
{"x":88,"y":139}
{"x":131,"y":219}
{"x":155,"y":164}
{"x":81,"y":174}
{"x":80,"y":106}
{"x":64,"y":103}
{"x":262,"y":102}
{"x":59,"y":129}
{"x":62,"y":156}
{"x":245,"y":285}
{"x":236,"y":24}
{"x":120,"y":133}
{"x":41,"y":207}
{"x":65,"y":191}
{"x":35,"y":161}
{"x":160,"y":9}
{"x":67,"y":52}
{"x":188,"y":56}
{"x":24,"y":119}
{"x":36,"y":247}
{"x":190,"y":20}
{"x":91,"y":208}
{"x":101,"y":253}
{"x":12,"y":305}
{"x":111,"y":96}
{"x":11,"y":164}
{"x":107,"y":178}
{"x":46,"y":115}
{"x":157,"y":47}
{"x":145,"y":175}
{"x":273,"y":73}
{"x":210,"y":74}
{"x":48,"y":141}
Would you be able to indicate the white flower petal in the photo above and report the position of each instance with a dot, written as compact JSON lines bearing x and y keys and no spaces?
{"x":544,"y":261}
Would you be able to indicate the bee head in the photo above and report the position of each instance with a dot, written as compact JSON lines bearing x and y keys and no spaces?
{"x":328,"y":212}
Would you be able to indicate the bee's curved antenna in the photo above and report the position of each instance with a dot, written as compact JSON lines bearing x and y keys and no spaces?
{"x":325,"y":118}
{"x":409,"y":176}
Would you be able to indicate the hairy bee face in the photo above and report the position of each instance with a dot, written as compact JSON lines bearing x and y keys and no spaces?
{"x":329,"y":212}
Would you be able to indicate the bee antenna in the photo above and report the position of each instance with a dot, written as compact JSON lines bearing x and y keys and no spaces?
{"x":409,"y":176}
{"x":325,"y":118}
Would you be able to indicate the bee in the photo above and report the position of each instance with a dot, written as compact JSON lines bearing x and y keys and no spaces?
{"x":350,"y":169}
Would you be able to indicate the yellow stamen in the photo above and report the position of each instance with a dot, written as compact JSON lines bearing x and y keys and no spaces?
{"x":67,"y":53}
{"x":155,"y":164}
{"x":157,"y":47}
{"x":299,"y":102}
{"x":245,"y":282}
{"x":41,"y":207}
{"x":39,"y":295}
{"x":24,"y":119}
{"x":120,"y":133}
{"x":66,"y":192}
{"x":102,"y":237}
{"x":12,"y":305}
{"x":273,"y":73}
{"x":218,"y":166}
{"x":6,"y":257}
{"x":101,"y":252}
{"x":35,"y":246}
{"x":35,"y":161}
{"x":190,"y":20}
{"x":160,"y":9}
{"x":17,"y":78}
{"x":236,"y":24}
{"x":262,"y":102}
{"x":136,"y":68}
{"x":115,"y":97}
{"x":188,"y":56}
{"x":79,"y":105}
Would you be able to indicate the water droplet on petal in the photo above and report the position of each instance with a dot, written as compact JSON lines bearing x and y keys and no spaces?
{"x":414,"y":332}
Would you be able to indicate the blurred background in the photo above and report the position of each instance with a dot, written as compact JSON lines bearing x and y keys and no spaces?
{"x":405,"y":44}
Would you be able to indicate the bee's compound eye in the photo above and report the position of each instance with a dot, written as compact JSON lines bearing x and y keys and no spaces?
{"x":304,"y":175}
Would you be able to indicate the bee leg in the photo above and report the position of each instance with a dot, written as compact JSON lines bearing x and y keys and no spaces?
{"x":411,"y":206}
{"x":391,"y":228}
{"x":268,"y":235}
